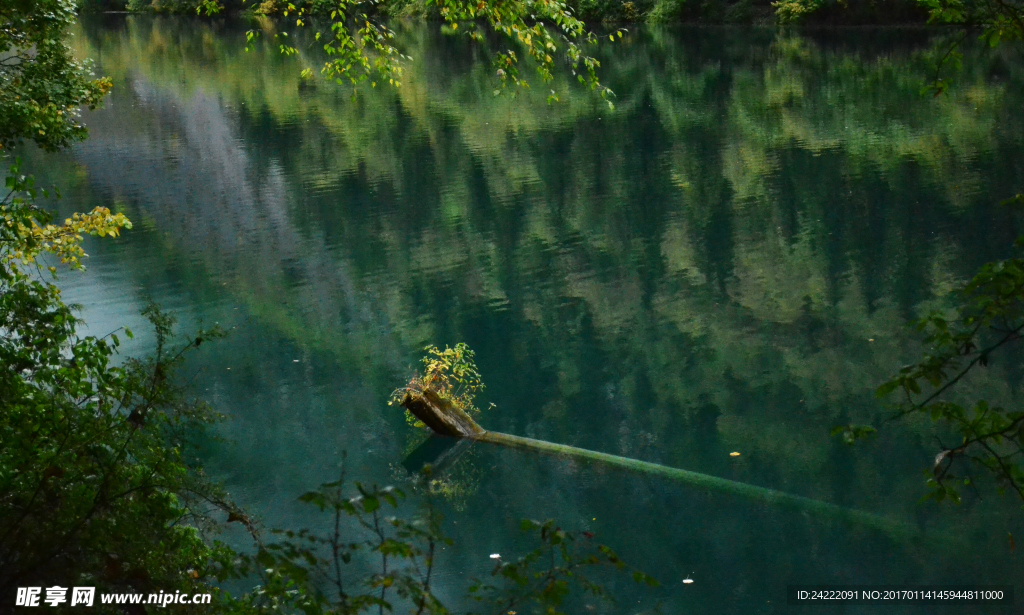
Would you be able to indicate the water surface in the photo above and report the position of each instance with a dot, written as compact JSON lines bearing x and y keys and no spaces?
{"x":726,"y":262}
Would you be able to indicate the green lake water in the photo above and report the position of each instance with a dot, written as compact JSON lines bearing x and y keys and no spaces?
{"x":726,"y":262}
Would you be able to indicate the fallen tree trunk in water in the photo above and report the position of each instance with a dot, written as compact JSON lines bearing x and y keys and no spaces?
{"x":440,"y":415}
{"x":446,"y":420}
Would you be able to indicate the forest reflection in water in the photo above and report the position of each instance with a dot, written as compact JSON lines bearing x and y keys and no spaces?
{"x":725,"y":262}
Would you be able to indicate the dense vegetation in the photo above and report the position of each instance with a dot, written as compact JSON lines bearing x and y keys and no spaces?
{"x":662,"y":11}
{"x":93,"y":458}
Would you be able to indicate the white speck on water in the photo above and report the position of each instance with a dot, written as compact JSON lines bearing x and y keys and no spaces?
{"x":495,"y":556}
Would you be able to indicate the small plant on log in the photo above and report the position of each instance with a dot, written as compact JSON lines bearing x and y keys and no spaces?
{"x":451,"y":373}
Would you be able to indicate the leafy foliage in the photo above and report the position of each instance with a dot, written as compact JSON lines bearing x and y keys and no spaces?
{"x":314,"y":574}
{"x":543,"y":578}
{"x":847,"y":12}
{"x":210,"y":7}
{"x":451,"y":373}
{"x":541,"y":29}
{"x":991,"y":437}
{"x":26,"y":230}
{"x":990,"y":316}
{"x":41,"y":86}
{"x":96,"y":480}
{"x":852,"y":433}
{"x":588,"y":11}
{"x":360,"y":47}
{"x":999,"y":20}
{"x":789,"y":11}
{"x":94,"y":461}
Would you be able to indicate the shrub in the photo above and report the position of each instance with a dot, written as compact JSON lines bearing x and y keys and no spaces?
{"x":451,"y":373}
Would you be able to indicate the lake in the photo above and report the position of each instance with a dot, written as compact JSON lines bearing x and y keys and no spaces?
{"x":726,"y":262}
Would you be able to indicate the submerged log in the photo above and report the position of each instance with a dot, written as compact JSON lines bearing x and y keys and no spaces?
{"x":440,"y":415}
{"x":447,"y":420}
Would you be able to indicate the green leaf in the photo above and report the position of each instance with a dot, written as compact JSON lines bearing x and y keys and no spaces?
{"x":370,"y":504}
{"x":886,"y":389}
{"x":527,"y":525}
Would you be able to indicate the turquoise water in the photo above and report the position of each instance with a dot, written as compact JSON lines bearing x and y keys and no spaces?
{"x":726,"y":262}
